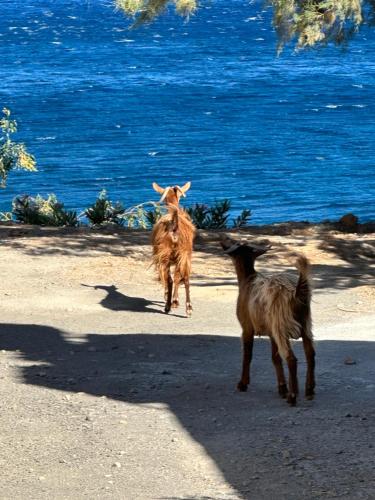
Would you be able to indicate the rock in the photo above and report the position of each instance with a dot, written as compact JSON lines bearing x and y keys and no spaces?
{"x":349,"y":221}
{"x":117,"y":465}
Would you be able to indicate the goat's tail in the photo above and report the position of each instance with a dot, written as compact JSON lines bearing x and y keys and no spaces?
{"x":303,"y":289}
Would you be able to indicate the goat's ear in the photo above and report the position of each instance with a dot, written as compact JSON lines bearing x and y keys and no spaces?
{"x":257,"y":251}
{"x":185,"y":188}
{"x":157,"y":188}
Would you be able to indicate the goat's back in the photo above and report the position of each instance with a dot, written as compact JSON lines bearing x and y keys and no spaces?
{"x":172,"y":241}
{"x":268,"y":305}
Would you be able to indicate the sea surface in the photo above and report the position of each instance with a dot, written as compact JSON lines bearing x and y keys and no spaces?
{"x":102,"y":106}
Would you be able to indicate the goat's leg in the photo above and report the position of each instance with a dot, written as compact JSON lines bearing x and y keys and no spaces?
{"x":164,"y":271}
{"x":293,"y":382}
{"x":169,"y":282}
{"x":247,"y":354}
{"x":177,"y":280}
{"x":189,"y":307}
{"x":278,"y":364}
{"x":310,"y":359}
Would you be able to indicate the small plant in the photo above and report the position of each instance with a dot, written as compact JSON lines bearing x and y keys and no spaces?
{"x":43,"y":211}
{"x":219,"y":214}
{"x":6,"y":216}
{"x":13,"y":155}
{"x":242,"y":220}
{"x":140,"y":218}
{"x":103,"y":211}
{"x":198,"y":214}
{"x":215,"y":217}
{"x":152,"y":216}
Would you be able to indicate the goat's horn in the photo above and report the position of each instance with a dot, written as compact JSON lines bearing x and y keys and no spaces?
{"x":165,"y":194}
{"x":232,"y":248}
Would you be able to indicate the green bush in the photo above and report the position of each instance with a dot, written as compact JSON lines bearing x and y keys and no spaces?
{"x":50,"y":212}
{"x":42,"y":211}
{"x":103,"y":211}
{"x":152,"y":216}
{"x":216,"y":216}
{"x":13,"y":155}
{"x":242,"y":220}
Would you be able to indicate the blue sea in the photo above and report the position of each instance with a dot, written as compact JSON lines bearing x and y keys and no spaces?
{"x":208,"y":100}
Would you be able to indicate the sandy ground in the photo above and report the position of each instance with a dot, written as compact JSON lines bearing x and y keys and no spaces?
{"x":104,"y":396}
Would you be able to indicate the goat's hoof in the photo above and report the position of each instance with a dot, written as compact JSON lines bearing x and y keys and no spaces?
{"x":292,"y":399}
{"x":167,"y":309}
{"x":241,"y":387}
{"x":189,"y":310}
{"x":175,"y":304}
{"x":283,"y":390}
{"x":309,"y":393}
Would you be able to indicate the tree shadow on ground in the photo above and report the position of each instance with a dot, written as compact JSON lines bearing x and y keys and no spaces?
{"x":78,"y":242}
{"x":355,"y":252}
{"x":261,"y":445}
{"x":359,"y":263}
{"x":354,"y":256}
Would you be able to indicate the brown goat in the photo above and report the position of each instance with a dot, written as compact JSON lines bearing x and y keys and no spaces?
{"x":277,"y":307}
{"x":172,"y":242}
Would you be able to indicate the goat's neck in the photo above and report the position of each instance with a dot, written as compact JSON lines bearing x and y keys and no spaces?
{"x":172,"y":206}
{"x":244,"y":269}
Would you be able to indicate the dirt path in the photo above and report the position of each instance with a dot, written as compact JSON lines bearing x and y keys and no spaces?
{"x":103,"y":396}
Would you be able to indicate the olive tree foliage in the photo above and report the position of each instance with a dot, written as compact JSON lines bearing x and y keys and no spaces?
{"x":307,"y":22}
{"x":13,"y":155}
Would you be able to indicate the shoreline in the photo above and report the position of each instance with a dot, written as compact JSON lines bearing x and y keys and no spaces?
{"x":281,"y":228}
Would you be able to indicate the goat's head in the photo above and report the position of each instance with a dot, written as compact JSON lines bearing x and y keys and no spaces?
{"x":171,"y":194}
{"x":243,"y":254}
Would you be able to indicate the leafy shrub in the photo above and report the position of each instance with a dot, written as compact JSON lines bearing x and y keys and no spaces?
{"x":198,"y":214}
{"x":219,"y":214}
{"x":43,"y":211}
{"x":103,"y":211}
{"x":141,"y":218}
{"x":49,"y":212}
{"x":152,"y":216}
{"x":13,"y":155}
{"x":6,"y":216}
{"x":242,"y":220}
{"x":216,"y":216}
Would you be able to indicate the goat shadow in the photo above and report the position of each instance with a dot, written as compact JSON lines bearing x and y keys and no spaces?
{"x":259,"y":443}
{"x":117,"y":301}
